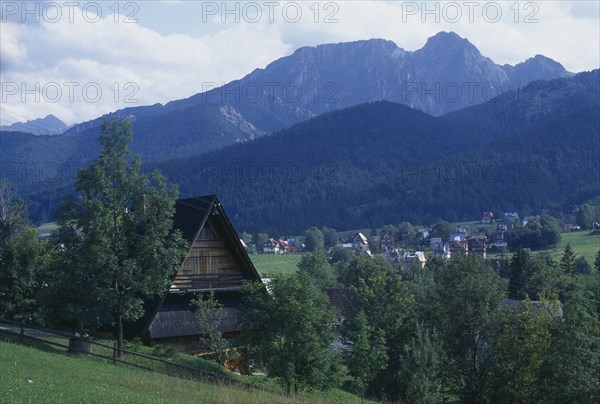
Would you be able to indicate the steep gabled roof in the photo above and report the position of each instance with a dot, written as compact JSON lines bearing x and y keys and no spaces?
{"x":216,"y":261}
{"x":216,"y":258}
{"x":359,"y":237}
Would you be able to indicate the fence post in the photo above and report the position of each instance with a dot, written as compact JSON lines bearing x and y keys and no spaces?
{"x":114,"y":352}
{"x":22,"y":330}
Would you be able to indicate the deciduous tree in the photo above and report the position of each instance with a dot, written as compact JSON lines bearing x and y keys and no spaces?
{"x":314,"y":240}
{"x":289,"y":331}
{"x":210,"y":313}
{"x":120,"y":247}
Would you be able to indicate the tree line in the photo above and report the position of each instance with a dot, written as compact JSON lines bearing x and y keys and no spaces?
{"x":520,"y":330}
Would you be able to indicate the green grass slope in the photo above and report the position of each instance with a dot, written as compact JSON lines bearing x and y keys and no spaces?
{"x":32,"y":375}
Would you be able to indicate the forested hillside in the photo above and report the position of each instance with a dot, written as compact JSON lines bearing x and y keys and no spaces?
{"x":382,"y":162}
{"x":323,"y":170}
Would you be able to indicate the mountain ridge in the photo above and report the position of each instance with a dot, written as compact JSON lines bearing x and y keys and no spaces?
{"x":50,"y":125}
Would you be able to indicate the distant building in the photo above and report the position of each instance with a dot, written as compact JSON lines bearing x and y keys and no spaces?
{"x":387,"y":241}
{"x":413,"y":257}
{"x":271,"y":246}
{"x":439,"y":248}
{"x":283,"y":246}
{"x":458,"y":247}
{"x":511,"y":216}
{"x":393,"y":255}
{"x":457,"y":237}
{"x":487,"y":218}
{"x":477,"y":246}
{"x":360,"y":242}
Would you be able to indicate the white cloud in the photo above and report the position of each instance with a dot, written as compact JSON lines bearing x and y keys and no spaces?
{"x":98,"y":55}
{"x":169,"y":58}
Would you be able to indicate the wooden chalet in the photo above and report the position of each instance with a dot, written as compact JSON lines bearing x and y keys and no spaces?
{"x":478,"y":247}
{"x":216,"y":262}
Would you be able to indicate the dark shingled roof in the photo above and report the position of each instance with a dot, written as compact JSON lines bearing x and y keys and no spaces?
{"x":177,"y":317}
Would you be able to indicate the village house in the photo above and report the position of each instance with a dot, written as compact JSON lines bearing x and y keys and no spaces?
{"x":478,"y":247}
{"x":487,"y":218}
{"x":457,"y":247}
{"x":393,"y":256}
{"x":409,"y":258}
{"x":439,"y":248}
{"x":283,"y":246}
{"x":216,"y":262}
{"x":360,"y":242}
{"x":271,"y":246}
{"x":388,"y":241}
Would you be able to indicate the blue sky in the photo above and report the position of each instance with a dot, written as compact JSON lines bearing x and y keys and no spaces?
{"x":81,"y":59}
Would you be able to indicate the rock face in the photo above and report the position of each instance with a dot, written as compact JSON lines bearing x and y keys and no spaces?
{"x":447,"y":74}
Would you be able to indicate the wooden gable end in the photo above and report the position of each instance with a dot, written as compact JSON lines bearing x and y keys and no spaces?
{"x":216,"y":259}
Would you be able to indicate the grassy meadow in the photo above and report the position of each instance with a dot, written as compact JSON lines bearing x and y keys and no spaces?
{"x":583,"y":243}
{"x":35,"y":374}
{"x":275,"y":264}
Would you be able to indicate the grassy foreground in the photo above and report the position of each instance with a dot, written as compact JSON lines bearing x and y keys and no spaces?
{"x":32,"y":375}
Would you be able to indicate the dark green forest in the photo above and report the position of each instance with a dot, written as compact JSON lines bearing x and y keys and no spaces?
{"x":527,"y":150}
{"x":384,"y":162}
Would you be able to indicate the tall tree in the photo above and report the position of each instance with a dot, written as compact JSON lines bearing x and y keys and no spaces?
{"x":120,"y":227}
{"x":367,"y":355}
{"x":518,"y":268}
{"x":520,"y":345}
{"x":329,"y":237}
{"x":422,"y":367}
{"x":317,"y":266}
{"x":441,"y":229}
{"x":586,"y":216}
{"x":550,"y":230}
{"x":378,"y":290}
{"x":468,"y":296}
{"x":289,"y":331}
{"x":13,"y":212}
{"x":597,"y":266}
{"x":23,"y":259}
{"x":572,"y":364}
{"x":314,"y":240}
{"x":568,"y":261}
{"x":408,"y":230}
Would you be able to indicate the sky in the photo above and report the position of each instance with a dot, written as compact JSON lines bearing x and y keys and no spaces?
{"x":80,"y":59}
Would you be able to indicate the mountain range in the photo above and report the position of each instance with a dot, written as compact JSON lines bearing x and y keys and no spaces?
{"x":269,"y":134}
{"x":47,"y":126}
{"x":384,"y":162}
{"x":447,"y":74}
